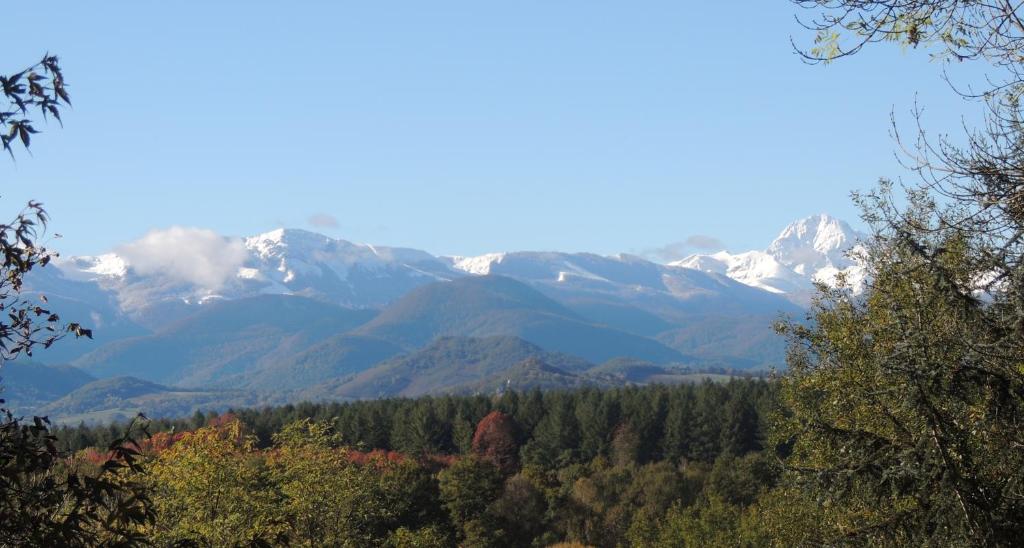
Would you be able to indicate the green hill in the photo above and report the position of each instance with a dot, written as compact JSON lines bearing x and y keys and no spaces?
{"x":627,"y":370}
{"x":27,"y":384}
{"x":535,"y":373}
{"x":488,"y":306}
{"x":121,"y":398}
{"x":450,"y":364}
{"x":229,"y":338}
{"x":730,"y":342}
{"x":340,"y":356}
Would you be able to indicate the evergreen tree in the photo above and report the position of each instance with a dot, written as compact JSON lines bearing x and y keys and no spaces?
{"x":420,"y":432}
{"x":596,"y":414}
{"x":556,"y":439}
{"x":739,"y":426}
{"x":680,"y":421}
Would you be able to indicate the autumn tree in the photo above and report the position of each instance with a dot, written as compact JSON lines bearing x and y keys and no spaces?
{"x":208,"y":488}
{"x":329,"y":499}
{"x":495,"y":440}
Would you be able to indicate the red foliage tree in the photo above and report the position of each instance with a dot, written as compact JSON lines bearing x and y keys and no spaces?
{"x":495,"y":439}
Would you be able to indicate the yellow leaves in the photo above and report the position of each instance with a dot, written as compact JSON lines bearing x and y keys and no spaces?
{"x":210,"y":485}
{"x":215,"y":487}
{"x":826,"y":45}
{"x":306,"y":432}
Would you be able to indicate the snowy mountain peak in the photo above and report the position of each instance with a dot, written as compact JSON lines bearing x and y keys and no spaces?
{"x":812,"y":249}
{"x":291,"y":238}
{"x":813,"y":243}
{"x":157,"y":273}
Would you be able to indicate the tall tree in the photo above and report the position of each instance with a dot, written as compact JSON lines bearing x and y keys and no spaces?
{"x":496,"y":440}
{"x":903,"y":406}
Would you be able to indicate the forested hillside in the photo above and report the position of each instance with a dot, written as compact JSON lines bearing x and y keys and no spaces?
{"x":637,"y":466}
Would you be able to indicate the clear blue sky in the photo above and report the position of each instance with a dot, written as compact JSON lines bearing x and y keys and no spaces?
{"x":455,"y":127}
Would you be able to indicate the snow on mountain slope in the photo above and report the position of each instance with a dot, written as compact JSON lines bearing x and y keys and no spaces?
{"x":754,"y":268}
{"x":168,"y":276}
{"x":625,"y":279}
{"x":814,"y":249}
{"x":477,"y":265}
{"x":300,"y":262}
{"x":282,"y":261}
{"x":306,"y":262}
{"x":92,"y":268}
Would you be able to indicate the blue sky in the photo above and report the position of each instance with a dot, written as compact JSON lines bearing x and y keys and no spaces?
{"x":455,"y":127}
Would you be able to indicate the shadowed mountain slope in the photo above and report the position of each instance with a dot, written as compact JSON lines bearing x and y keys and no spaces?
{"x":226,"y":339}
{"x":494,"y":305}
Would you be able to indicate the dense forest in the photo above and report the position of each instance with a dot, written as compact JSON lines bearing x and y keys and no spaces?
{"x":631,"y":466}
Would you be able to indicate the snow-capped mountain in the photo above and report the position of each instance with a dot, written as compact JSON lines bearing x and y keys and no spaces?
{"x":282,"y":261}
{"x":310,"y":264}
{"x":167,"y":277}
{"x":814,"y":249}
{"x":622,"y":278}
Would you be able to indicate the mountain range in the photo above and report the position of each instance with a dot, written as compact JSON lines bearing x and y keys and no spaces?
{"x":291,"y":314}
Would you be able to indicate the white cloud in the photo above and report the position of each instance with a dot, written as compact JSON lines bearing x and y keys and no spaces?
{"x":705,"y":242}
{"x":678,"y":250}
{"x":323,"y":220}
{"x":194,"y":255}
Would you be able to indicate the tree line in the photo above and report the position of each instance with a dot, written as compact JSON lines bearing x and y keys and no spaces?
{"x":692,"y":422}
{"x":631,"y":466}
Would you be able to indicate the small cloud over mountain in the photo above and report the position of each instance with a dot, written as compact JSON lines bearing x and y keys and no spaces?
{"x":678,"y":250}
{"x":323,"y":220}
{"x":704,"y":242}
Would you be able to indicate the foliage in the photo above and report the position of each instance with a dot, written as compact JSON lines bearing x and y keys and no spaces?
{"x":495,"y":440}
{"x":330,"y":499}
{"x":303,"y":475}
{"x":207,"y":488}
{"x":713,"y":523}
{"x":212,"y":486}
{"x":39,"y":88}
{"x":902,"y":408}
{"x":467,"y":489}
{"x":46,"y":498}
{"x":376,"y":473}
{"x":427,"y":537}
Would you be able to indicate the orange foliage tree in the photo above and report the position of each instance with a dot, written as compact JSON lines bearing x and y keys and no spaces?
{"x":496,"y":440}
